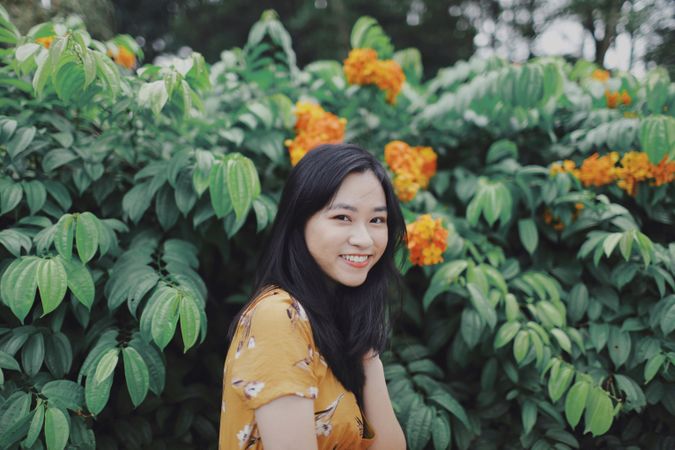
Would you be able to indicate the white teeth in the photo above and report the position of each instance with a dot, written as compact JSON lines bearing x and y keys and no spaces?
{"x":356,"y":259}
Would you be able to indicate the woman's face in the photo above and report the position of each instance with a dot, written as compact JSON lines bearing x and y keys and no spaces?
{"x":349,"y":235}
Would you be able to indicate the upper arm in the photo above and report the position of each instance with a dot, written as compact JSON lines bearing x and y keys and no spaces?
{"x":378,"y":408}
{"x":287,"y":423}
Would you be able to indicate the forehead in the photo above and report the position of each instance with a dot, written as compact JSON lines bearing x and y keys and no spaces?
{"x":359,"y":189}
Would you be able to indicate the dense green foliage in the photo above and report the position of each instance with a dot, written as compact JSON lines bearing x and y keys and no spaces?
{"x":132,"y":207}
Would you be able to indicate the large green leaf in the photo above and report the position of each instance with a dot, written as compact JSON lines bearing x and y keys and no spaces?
{"x":599,"y":412}
{"x":657,"y":137}
{"x":52,"y":282}
{"x":136,"y":374}
{"x":63,"y":238}
{"x":164,"y":320}
{"x":57,"y":429}
{"x":80,"y":282}
{"x":86,"y":236}
{"x":218,"y":190}
{"x":189,"y":321}
{"x":576,"y":402}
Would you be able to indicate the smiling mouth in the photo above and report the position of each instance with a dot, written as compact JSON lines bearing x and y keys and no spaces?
{"x":356,"y":261}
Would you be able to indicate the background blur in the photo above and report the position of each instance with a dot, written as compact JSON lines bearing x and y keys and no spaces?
{"x":632,"y":35}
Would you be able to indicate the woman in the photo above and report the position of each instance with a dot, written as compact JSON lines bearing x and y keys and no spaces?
{"x":302,"y":370}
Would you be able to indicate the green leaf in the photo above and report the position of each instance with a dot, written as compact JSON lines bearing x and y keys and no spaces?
{"x":528,"y":415}
{"x":242,"y":183}
{"x":599,"y":333}
{"x":505,"y":333}
{"x":58,"y":354}
{"x":448,"y":402}
{"x":653,"y":365}
{"x":442,"y":279}
{"x":619,"y":344}
{"x":63,"y":238}
{"x":218,"y":190}
{"x":626,"y":243}
{"x":576,"y":402}
{"x":559,"y":381}
{"x":610,"y":243}
{"x":153,"y":95}
{"x":521,"y":346}
{"x":65,"y":393}
{"x":440,"y":432}
{"x":24,"y":282}
{"x":10,"y":196}
{"x":645,"y":246}
{"x":189,"y":321}
{"x":20,"y":142}
{"x":52,"y":282}
{"x":36,"y":194}
{"x":96,"y":395}
{"x":137,"y":201}
{"x":106,"y":365}
{"x":667,"y":321}
{"x":164,"y":321}
{"x":599,"y":412}
{"x":657,"y":137}
{"x":418,"y":427}
{"x":35,"y":426}
{"x":577,"y":302}
{"x":80,"y":282}
{"x":33,"y":354}
{"x":563,"y":339}
{"x":136,"y":374}
{"x":86,"y":236}
{"x":57,"y":429}
{"x":484,"y":308}
{"x":529,"y":236}
{"x":7,"y":361}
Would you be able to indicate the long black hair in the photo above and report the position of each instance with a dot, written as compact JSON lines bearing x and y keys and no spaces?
{"x":346,"y":321}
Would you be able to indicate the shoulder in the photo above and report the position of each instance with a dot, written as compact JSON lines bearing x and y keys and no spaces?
{"x":275,"y":306}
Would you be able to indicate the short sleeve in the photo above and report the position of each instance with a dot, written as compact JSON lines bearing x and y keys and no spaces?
{"x":275,"y":354}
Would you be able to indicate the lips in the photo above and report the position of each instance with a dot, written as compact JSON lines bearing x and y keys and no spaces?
{"x":356,"y":264}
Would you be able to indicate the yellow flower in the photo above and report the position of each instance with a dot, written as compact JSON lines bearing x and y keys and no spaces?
{"x":362,"y":67}
{"x":600,"y":75}
{"x":663,"y":172}
{"x":123,"y":57}
{"x":413,"y":167}
{"x":612,"y":98}
{"x":427,"y":240}
{"x":46,"y":42}
{"x":313,"y":127}
{"x":598,"y":170}
{"x":635,"y":167}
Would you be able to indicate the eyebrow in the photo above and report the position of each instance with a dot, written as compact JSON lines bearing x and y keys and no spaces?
{"x":351,"y":208}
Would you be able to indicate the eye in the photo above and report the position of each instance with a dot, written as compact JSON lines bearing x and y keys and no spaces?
{"x":340,"y":217}
{"x":381,"y":219}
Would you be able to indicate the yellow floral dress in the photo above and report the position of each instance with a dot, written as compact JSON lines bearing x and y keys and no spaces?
{"x":273,"y":354}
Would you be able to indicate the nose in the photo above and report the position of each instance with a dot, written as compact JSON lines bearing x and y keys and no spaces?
{"x":360,"y":237}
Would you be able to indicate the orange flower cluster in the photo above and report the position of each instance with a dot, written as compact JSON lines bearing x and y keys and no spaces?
{"x":614,"y":98}
{"x":634,"y":168}
{"x":413,"y":167}
{"x":363,"y":67}
{"x":46,"y":42}
{"x":313,"y":127}
{"x":123,"y":57}
{"x":427,"y":240}
{"x":555,"y":222}
{"x":600,"y":75}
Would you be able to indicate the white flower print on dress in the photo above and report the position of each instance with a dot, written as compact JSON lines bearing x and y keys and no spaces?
{"x":243,"y":435}
{"x":313,"y":392}
{"x":251,"y":342}
{"x":322,"y":419}
{"x":253,"y":388}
